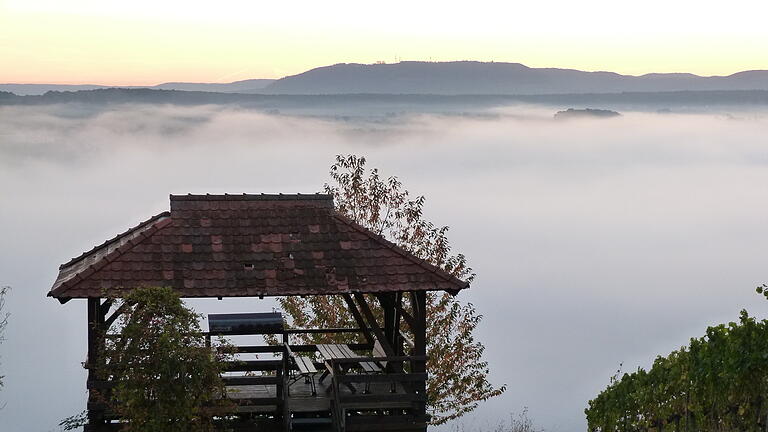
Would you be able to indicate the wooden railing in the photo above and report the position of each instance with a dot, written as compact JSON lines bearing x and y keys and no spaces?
{"x":411,"y":384}
{"x":275,"y":372}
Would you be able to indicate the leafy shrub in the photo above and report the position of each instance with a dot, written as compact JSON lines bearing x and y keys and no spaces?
{"x":166,"y":376}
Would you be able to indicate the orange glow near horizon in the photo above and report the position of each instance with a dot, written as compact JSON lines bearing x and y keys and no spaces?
{"x":109,"y":43}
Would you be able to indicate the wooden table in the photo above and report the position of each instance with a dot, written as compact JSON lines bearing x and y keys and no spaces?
{"x":341,"y":351}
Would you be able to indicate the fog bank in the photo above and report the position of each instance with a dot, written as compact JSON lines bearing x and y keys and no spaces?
{"x":595,"y":241}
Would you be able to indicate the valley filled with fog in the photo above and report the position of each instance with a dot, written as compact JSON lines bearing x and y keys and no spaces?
{"x":596,"y":242}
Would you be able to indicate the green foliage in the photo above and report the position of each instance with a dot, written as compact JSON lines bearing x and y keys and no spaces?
{"x":718,"y":383}
{"x":763,"y":289}
{"x":457,"y":371}
{"x":167,"y":378}
{"x":74,"y":422}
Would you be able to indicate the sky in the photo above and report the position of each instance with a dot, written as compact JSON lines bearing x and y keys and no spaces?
{"x":147,"y":42}
{"x":595,"y":242}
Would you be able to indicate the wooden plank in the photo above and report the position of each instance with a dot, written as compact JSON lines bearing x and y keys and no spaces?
{"x":255,"y":401}
{"x":325,"y":351}
{"x":313,"y":348}
{"x":258,"y":349}
{"x":337,"y":352}
{"x":251,"y":380}
{"x":373,"y":426}
{"x":340,"y":351}
{"x":381,"y":359}
{"x":346,"y":352}
{"x":352,"y":399}
{"x":305,"y":365}
{"x":370,"y":367}
{"x":252,"y":365}
{"x":395,"y":377}
{"x":324,"y":330}
{"x":388,"y":419}
{"x":401,"y":423}
{"x":367,"y":366}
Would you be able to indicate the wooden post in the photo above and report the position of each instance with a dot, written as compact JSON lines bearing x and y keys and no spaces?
{"x":396,"y":340}
{"x":95,"y":327}
{"x":389,"y":303}
{"x":284,"y":383}
{"x":388,"y":306}
{"x":419,"y":306}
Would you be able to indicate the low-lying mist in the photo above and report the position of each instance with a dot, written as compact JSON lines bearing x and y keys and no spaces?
{"x":596,"y":241}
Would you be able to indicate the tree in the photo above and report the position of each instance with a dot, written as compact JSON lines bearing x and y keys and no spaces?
{"x":762,"y":289}
{"x":167,"y":378}
{"x":458,"y":378}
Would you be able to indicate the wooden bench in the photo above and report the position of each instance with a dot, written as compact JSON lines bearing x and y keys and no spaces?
{"x":306,"y":367}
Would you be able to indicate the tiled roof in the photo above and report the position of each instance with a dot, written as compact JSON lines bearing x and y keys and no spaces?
{"x":249,"y":245}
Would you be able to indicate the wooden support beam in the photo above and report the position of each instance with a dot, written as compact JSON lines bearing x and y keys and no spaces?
{"x":390,"y":303}
{"x":396,"y":340}
{"x":419,"y":306}
{"x":283,"y":391}
{"x":388,"y":307}
{"x":115,"y":315}
{"x":385,"y":345}
{"x":105,"y":306}
{"x":407,"y":317}
{"x":358,"y":318}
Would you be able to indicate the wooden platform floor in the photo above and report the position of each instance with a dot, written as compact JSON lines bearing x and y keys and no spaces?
{"x":300,"y":398}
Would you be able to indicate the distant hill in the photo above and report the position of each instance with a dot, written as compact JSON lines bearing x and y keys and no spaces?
{"x":478,"y":78}
{"x":449,"y":78}
{"x":245,"y":86}
{"x":38,"y":89}
{"x":585,"y":113}
{"x":362,"y":105}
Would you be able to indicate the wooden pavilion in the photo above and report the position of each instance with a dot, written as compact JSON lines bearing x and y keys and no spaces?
{"x":215,"y":246}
